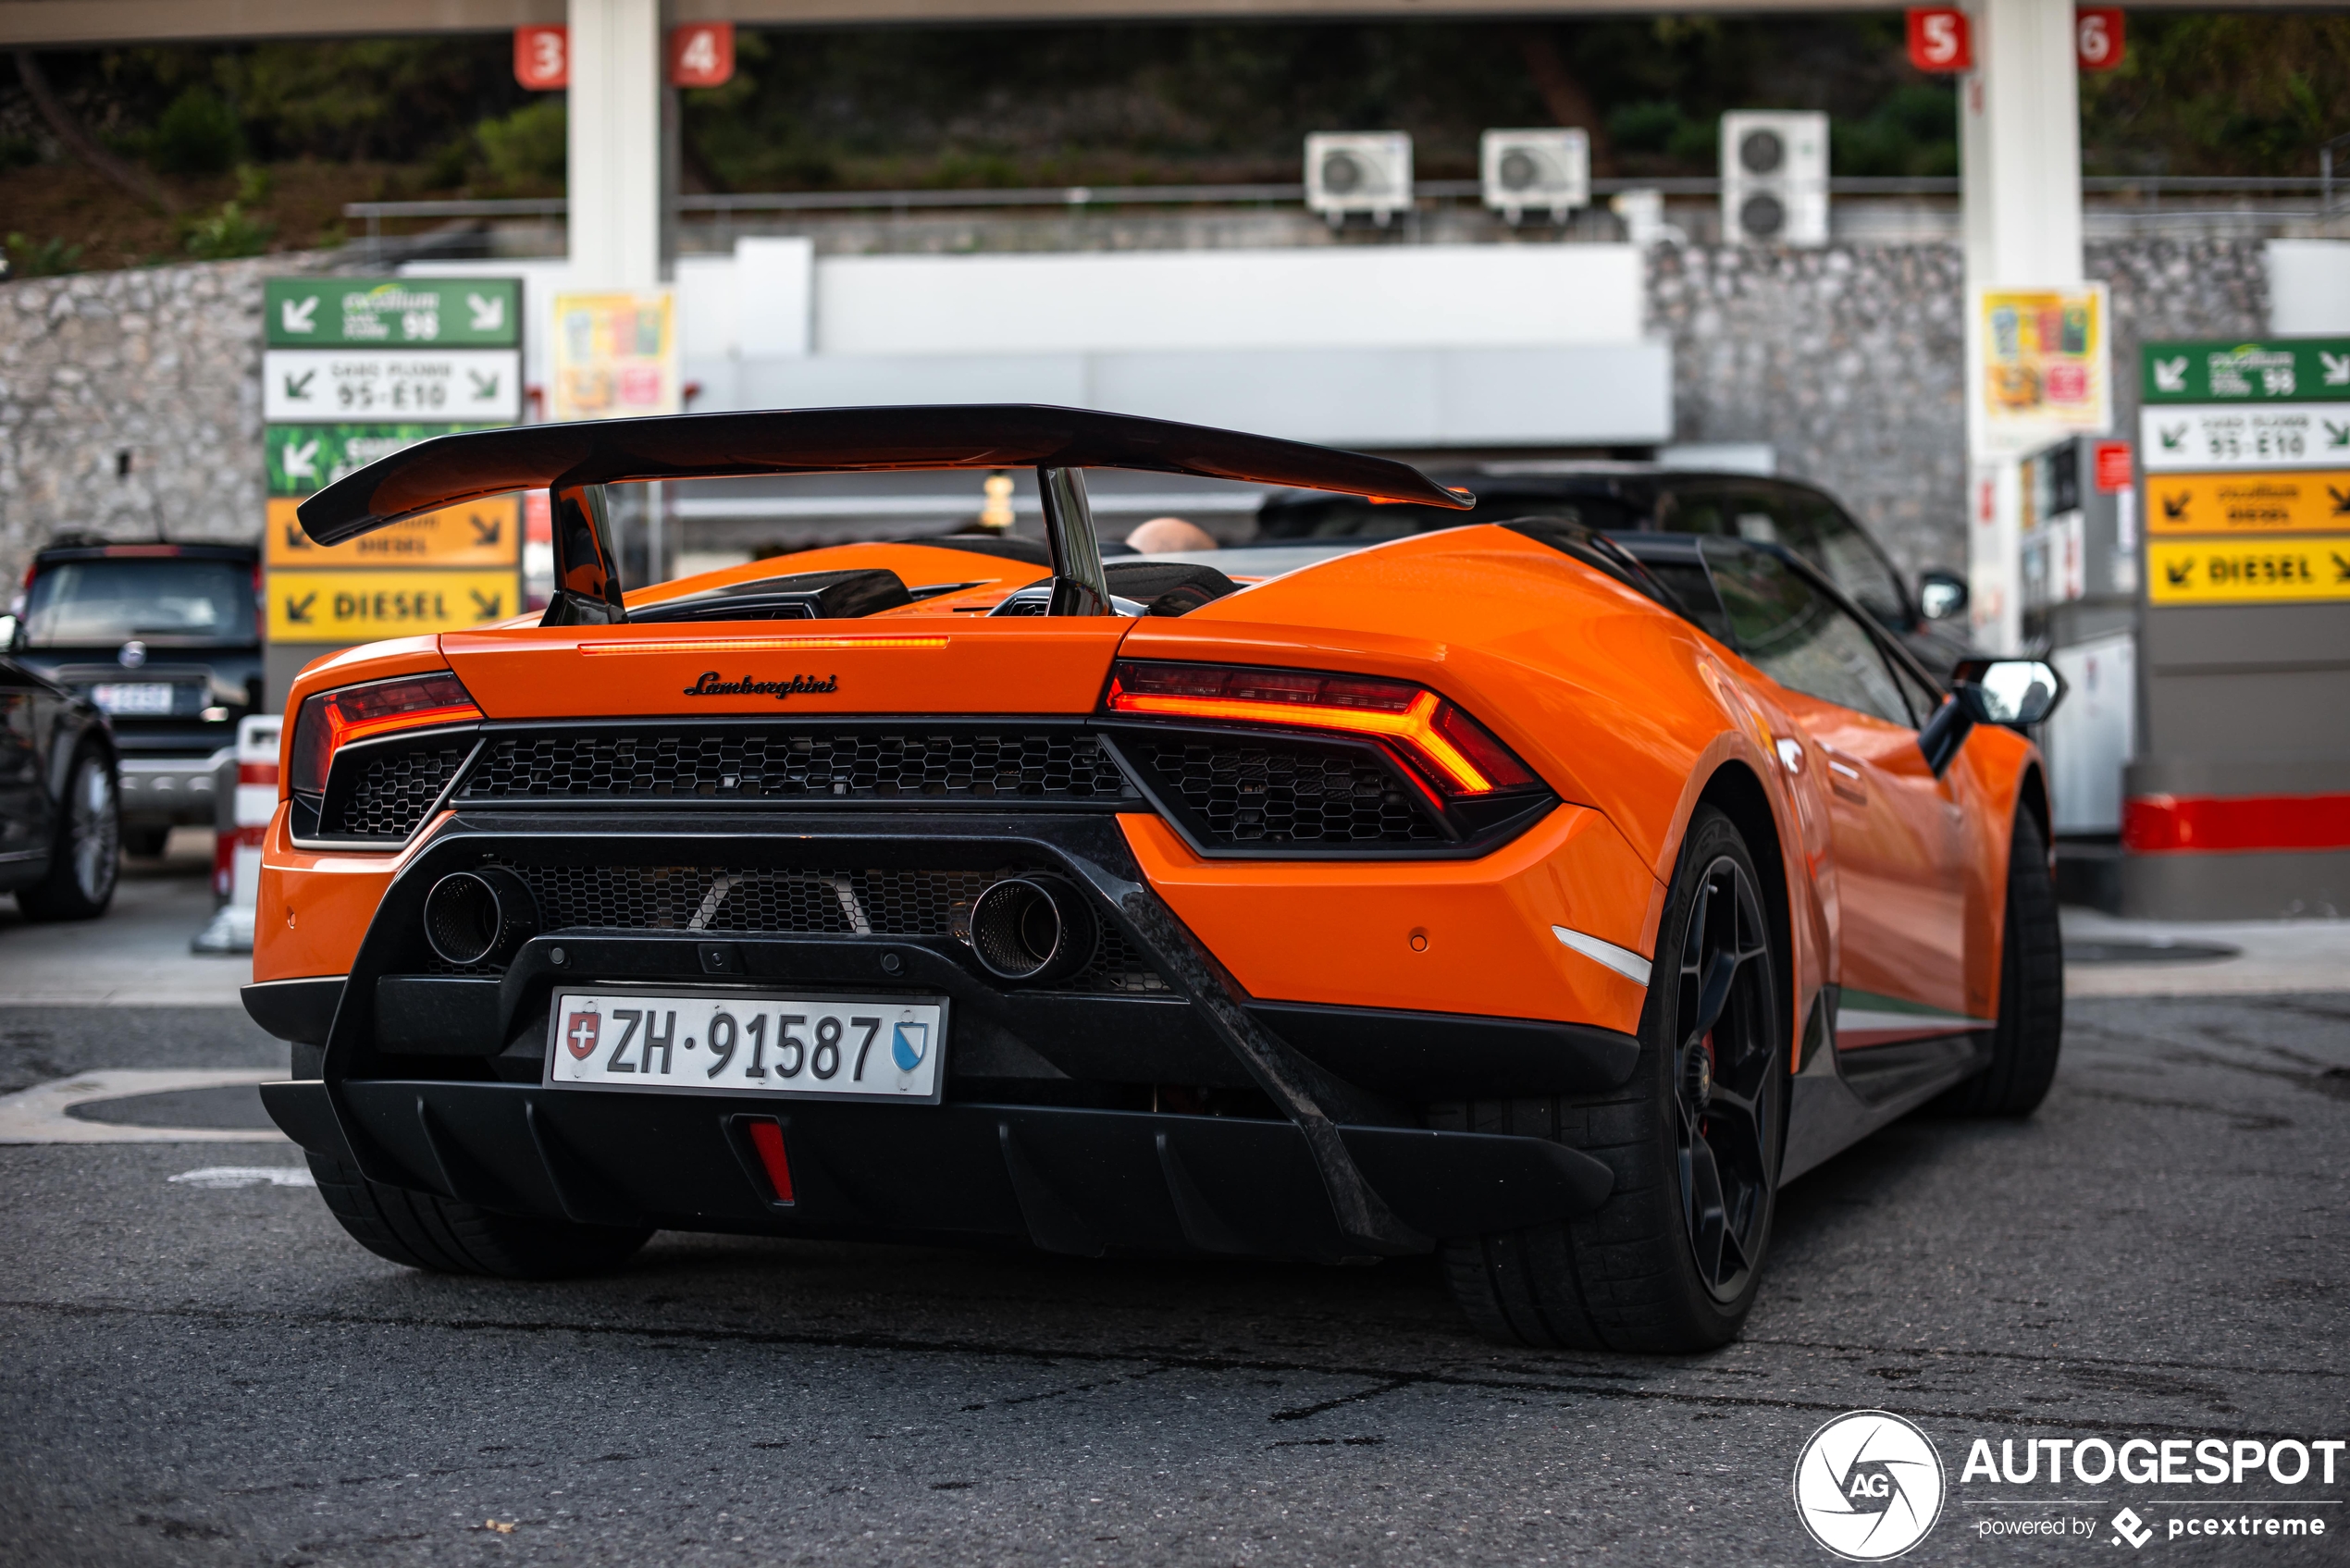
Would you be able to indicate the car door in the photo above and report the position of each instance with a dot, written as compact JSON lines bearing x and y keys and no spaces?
{"x":26,"y":816}
{"x":1898,"y":831}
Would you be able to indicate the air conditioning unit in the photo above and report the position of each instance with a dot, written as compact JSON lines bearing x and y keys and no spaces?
{"x":1542,"y":170}
{"x":1775,"y":178}
{"x":1358,"y":171}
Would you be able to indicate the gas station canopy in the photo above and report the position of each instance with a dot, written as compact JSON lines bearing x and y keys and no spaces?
{"x":62,"y":23}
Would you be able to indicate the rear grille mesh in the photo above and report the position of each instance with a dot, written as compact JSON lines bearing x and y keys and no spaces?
{"x":388,"y":793}
{"x":736,"y":900}
{"x":778,"y":764}
{"x":1270,"y":791}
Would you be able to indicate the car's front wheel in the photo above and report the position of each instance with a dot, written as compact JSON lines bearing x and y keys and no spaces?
{"x":2031,"y":1032}
{"x":86,"y":856}
{"x":1671,"y":1261}
{"x":425,"y":1230}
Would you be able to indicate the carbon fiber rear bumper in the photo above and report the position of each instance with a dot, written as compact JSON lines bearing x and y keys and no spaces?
{"x":1073,"y":1181}
{"x":1325,"y":1166}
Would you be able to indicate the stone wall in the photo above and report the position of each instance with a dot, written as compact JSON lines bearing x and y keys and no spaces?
{"x":1847,"y":360}
{"x":158,"y":369}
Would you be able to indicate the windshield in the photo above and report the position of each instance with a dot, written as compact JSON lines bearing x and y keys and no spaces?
{"x":156,"y":598}
{"x":1812,"y":528}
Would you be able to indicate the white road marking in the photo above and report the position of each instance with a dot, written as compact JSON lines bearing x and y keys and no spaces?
{"x":213,"y":1176}
{"x":38,"y":1115}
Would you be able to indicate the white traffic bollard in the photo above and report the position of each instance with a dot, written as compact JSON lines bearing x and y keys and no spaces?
{"x":240,"y":845}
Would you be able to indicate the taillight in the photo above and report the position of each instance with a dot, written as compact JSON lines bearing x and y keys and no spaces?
{"x":332,"y":720}
{"x":1453,"y":751}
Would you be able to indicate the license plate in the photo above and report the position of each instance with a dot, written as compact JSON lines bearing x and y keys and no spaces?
{"x":791,"y":1045}
{"x":133,"y":697}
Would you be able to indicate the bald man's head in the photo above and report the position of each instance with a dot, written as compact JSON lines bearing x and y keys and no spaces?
{"x":1162,"y":534}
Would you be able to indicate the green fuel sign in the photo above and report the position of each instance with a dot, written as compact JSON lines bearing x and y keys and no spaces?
{"x":306,"y":458}
{"x":386,"y":312}
{"x":2281,"y":370}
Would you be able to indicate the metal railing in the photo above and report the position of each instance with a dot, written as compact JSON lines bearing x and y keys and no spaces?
{"x":725,"y":207}
{"x":1193,"y":195}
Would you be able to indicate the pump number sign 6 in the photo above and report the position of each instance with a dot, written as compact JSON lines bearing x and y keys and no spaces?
{"x":796,"y":1045}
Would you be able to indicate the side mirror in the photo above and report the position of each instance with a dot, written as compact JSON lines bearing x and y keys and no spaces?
{"x":1988,"y":691}
{"x":2011,"y":691}
{"x":1941,"y":594}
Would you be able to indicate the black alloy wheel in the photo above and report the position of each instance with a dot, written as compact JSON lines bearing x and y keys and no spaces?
{"x":1726,"y":1121}
{"x":1671,"y":1262}
{"x":86,"y":856}
{"x":2031,"y":1034}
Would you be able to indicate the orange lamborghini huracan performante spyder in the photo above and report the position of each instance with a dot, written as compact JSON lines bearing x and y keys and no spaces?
{"x":1538,"y":898}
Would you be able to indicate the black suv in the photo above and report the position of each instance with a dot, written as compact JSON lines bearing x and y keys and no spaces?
{"x":166,"y":641}
{"x":1639,"y":498}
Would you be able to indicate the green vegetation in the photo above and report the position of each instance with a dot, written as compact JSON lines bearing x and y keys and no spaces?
{"x":267,"y":140}
{"x":525,"y":151}
{"x":197,"y":134}
{"x":1914,"y":132}
{"x":228,"y":233}
{"x":2238,"y":92}
{"x":41,"y":258}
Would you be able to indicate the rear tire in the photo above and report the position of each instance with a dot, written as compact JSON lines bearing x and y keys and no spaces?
{"x":1671,"y":1260}
{"x":86,"y":856}
{"x":443,"y":1236}
{"x":2031,"y":1032}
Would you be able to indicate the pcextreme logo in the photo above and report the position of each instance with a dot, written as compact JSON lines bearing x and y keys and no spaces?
{"x":1869,"y":1486}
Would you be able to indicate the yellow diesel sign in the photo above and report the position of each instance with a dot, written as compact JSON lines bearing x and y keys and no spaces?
{"x":485,"y":533}
{"x":2248,"y":571}
{"x":2280,"y":502}
{"x":349,"y":607}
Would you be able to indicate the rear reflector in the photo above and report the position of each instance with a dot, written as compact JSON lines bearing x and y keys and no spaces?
{"x":767,"y":1137}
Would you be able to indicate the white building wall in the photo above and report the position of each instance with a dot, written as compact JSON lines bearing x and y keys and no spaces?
{"x":1419,"y":296}
{"x":2308,"y":287}
{"x":1417,"y":346}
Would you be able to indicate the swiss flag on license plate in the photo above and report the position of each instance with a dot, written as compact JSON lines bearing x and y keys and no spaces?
{"x":579,"y":1033}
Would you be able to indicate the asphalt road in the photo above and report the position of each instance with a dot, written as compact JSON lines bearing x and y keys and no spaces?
{"x":201,"y":1374}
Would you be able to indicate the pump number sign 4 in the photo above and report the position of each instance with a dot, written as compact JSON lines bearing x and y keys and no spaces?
{"x":791,"y":1044}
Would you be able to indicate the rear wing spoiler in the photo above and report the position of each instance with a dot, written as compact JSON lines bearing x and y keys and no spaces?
{"x":575,"y":461}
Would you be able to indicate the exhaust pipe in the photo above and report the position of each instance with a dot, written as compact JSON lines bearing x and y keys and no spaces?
{"x":1032,"y":928}
{"x":479,"y":916}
